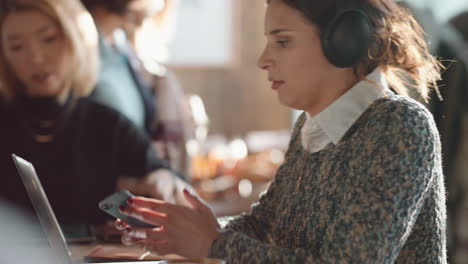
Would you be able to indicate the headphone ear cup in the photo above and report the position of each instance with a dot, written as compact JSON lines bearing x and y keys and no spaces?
{"x":346,"y":38}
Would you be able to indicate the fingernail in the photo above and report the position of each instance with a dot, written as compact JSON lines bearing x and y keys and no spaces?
{"x":137,"y":234}
{"x":130,"y":201}
{"x":123,"y":208}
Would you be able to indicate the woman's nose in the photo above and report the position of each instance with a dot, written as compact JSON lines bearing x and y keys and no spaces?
{"x":37,"y":55}
{"x":264,"y":62}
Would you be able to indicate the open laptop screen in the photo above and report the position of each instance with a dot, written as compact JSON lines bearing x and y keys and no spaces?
{"x":43,"y":209}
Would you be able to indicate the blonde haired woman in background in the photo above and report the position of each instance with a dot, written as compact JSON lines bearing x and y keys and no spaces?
{"x":82,"y":150}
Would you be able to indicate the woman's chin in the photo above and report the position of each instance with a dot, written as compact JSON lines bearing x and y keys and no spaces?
{"x":44,"y":92}
{"x":285,"y":102}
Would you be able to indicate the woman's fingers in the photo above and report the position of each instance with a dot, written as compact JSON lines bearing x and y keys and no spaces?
{"x":194,"y":200}
{"x":151,"y":204}
{"x":129,"y":240}
{"x":153,"y":240}
{"x":138,"y":235}
{"x":121,"y":225}
{"x":179,"y":227}
{"x":145,"y":215}
{"x":158,"y":234}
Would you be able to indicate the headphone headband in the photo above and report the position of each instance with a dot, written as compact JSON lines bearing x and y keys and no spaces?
{"x":345,"y":4}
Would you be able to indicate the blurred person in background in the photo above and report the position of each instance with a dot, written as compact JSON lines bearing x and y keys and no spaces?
{"x":120,"y":85}
{"x":132,"y":80}
{"x":460,"y":22}
{"x":146,"y":21}
{"x":362,"y":180}
{"x":448,"y":45}
{"x":458,"y":185}
{"x":82,"y":150}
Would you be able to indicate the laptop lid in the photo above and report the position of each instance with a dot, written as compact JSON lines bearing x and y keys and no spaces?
{"x":46,"y":215}
{"x":43,"y":209}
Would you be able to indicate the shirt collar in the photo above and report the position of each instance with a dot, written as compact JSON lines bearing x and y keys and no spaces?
{"x":339,"y":116}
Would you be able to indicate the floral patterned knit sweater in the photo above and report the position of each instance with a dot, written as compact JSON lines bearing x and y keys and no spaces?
{"x":376,"y":197}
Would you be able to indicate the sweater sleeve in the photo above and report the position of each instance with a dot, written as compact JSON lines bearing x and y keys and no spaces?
{"x":375,"y":213}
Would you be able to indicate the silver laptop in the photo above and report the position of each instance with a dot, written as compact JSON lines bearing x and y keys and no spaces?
{"x":46,"y":215}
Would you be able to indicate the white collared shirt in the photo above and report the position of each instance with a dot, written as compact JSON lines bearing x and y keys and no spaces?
{"x":330,"y":125}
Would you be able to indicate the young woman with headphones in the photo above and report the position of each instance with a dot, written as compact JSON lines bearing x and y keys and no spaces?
{"x":362,"y":181}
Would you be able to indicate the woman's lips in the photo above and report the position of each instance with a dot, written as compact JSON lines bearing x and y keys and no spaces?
{"x":276,"y":84}
{"x":41,"y":77}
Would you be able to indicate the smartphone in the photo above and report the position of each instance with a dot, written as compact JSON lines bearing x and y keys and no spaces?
{"x":111,"y":206}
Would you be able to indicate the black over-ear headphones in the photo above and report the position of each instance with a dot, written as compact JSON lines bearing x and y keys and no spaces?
{"x":346,"y":38}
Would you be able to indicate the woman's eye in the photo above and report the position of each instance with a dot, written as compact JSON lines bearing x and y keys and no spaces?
{"x":50,"y":39}
{"x":15,"y":48}
{"x":282,"y":43}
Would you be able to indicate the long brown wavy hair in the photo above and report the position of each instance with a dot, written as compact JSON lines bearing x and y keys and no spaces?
{"x":398,"y":46}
